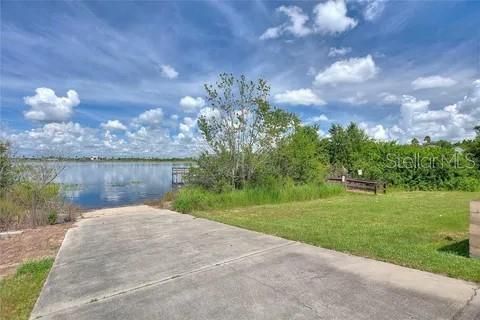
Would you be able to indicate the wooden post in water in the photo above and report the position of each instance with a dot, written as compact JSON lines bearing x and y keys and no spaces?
{"x":475,"y":229}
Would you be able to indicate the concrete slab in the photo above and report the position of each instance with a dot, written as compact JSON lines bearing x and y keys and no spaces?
{"x":145,"y":263}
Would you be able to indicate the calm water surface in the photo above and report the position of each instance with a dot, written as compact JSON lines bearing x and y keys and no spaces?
{"x":109,"y":184}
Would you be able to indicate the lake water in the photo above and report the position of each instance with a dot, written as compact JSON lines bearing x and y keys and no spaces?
{"x":99,"y":184}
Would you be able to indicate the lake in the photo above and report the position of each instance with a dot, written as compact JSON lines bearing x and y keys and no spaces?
{"x":99,"y":184}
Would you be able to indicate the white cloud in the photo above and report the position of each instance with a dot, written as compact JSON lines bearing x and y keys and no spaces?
{"x":297,"y":20}
{"x":354,"y":70}
{"x":168,"y":71}
{"x":331,"y":17}
{"x":114,"y":125}
{"x":377,"y":132}
{"x":357,"y":99}
{"x":296,"y":25}
{"x":58,"y":138}
{"x":151,"y":118}
{"x":190,"y":104}
{"x":316,"y":119}
{"x":47,"y":107}
{"x":388,"y":98}
{"x":336,"y":52}
{"x":418,"y":119}
{"x":272,"y":33}
{"x":432,"y":82}
{"x":304,"y":97}
{"x":372,"y":9}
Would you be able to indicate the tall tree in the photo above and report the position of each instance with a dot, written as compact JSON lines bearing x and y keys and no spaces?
{"x":242,"y":126}
{"x":414,"y":142}
{"x":427,"y":140}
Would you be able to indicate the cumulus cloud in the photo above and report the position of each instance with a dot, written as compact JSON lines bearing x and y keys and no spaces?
{"x":168,"y":71}
{"x":304,"y":97}
{"x":336,"y":52}
{"x":418,"y":119}
{"x":45,"y":106}
{"x":295,"y":26}
{"x":331,"y":17}
{"x":58,"y":138}
{"x":113,"y":125}
{"x":151,"y":118}
{"x":432,"y":82}
{"x":377,"y":132}
{"x":191,"y":104}
{"x":354,"y":70}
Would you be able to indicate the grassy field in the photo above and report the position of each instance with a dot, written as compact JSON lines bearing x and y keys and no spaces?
{"x":19,"y":292}
{"x":423,"y":230}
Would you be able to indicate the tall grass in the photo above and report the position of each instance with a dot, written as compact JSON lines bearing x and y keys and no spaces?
{"x":190,"y":199}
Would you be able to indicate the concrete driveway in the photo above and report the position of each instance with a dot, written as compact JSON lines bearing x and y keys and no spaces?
{"x":144,"y":263}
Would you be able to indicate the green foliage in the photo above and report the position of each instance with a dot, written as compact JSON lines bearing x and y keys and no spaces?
{"x":432,"y":166}
{"x":417,"y":167}
{"x":11,"y":214}
{"x":7,"y":170}
{"x":241,"y":130}
{"x":345,"y":146}
{"x":19,"y":293}
{"x":300,"y":157}
{"x":28,"y":194}
{"x":191,"y":199}
{"x":52,"y":217}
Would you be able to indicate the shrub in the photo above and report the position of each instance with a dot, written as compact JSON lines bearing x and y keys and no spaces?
{"x":10,"y":214}
{"x":52,"y":217}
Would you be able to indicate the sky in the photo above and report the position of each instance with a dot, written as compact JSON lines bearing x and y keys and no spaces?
{"x":126,"y":78}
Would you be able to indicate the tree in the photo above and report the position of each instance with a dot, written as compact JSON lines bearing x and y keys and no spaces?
{"x":477,"y":130}
{"x":414,"y":142}
{"x":7,"y":170}
{"x":241,"y":127}
{"x":345,"y":145}
{"x":300,"y":156}
{"x":427,"y":140}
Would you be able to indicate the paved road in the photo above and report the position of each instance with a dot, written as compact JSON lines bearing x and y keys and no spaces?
{"x":144,"y":263}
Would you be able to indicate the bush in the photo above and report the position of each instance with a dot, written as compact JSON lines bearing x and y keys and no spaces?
{"x":52,"y":218}
{"x":10,"y":214}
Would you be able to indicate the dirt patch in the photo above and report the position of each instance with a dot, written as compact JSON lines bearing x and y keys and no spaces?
{"x":31,"y":244}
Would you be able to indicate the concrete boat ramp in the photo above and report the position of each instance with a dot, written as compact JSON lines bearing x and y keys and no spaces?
{"x":144,"y":263}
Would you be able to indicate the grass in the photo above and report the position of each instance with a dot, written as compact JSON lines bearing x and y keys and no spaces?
{"x":18,"y":293}
{"x":422,"y":230}
{"x":191,"y":198}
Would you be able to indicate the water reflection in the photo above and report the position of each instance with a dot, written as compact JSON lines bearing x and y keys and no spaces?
{"x":108,"y":184}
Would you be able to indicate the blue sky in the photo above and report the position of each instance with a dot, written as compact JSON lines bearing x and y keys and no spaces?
{"x":126,"y":78}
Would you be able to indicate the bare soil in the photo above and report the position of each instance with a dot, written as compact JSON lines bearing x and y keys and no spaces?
{"x":32,"y":244}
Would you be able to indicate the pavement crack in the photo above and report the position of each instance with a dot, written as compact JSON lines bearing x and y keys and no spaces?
{"x":457,"y":315}
{"x":169,"y":278}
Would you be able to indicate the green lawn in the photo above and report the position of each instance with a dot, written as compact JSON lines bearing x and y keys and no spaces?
{"x":423,"y":230}
{"x":19,"y":292}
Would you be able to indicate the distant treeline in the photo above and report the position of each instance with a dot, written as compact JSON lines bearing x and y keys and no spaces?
{"x":124,"y":159}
